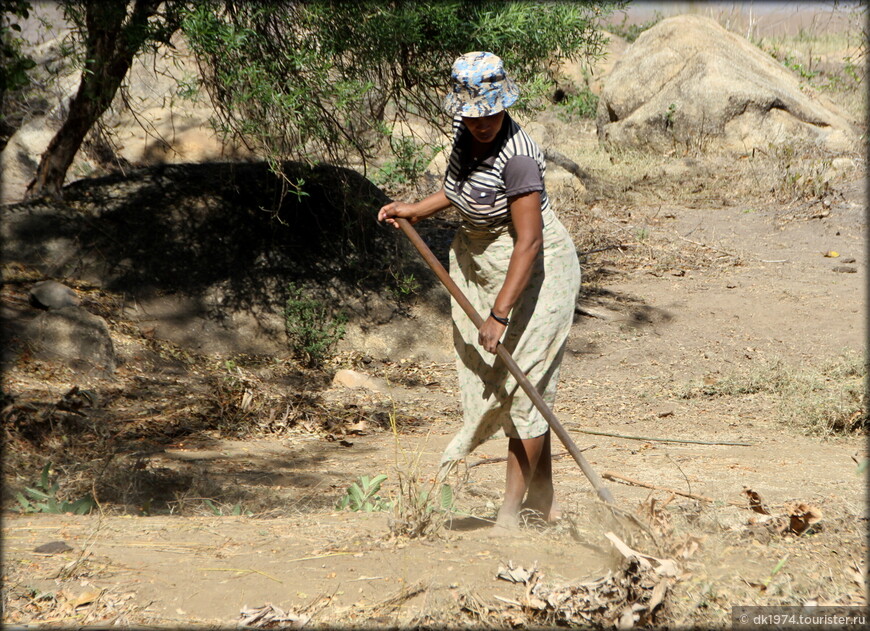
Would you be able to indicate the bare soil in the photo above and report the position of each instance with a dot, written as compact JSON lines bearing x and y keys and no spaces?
{"x":713,"y":294}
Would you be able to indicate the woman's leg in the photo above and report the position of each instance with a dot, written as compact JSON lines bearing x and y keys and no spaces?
{"x":541,"y":495}
{"x":522,"y":463}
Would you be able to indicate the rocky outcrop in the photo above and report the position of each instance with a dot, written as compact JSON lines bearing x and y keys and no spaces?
{"x":689,"y":84}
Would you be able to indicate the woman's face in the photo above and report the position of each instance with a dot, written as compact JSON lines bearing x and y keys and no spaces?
{"x":484,"y":129}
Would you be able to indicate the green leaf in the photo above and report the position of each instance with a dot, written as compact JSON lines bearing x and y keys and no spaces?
{"x":82,"y":506}
{"x":446,"y":497}
{"x":25,"y":505}
{"x":43,"y":479}
{"x":214,"y":509}
{"x":36,"y":494}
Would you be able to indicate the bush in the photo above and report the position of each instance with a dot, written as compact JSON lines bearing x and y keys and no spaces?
{"x":584,"y":104}
{"x":312,"y":332}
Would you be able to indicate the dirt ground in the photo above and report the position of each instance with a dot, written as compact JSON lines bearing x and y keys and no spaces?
{"x":719,"y":313}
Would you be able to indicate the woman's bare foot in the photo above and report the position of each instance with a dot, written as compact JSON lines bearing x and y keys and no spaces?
{"x":551,"y":511}
{"x":507,"y":519}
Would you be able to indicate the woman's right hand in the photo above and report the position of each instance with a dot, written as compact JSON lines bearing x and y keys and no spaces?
{"x":398,"y":209}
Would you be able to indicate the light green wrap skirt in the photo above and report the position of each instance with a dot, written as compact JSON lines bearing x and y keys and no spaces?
{"x":492,"y":401}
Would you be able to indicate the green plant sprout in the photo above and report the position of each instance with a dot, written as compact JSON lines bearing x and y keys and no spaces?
{"x":219,"y":511}
{"x":362,"y":495}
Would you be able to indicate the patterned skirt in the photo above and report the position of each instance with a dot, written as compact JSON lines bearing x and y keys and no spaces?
{"x":493,"y":404}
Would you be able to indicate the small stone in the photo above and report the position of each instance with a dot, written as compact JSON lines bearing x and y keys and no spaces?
{"x":353,"y":379}
{"x":53,"y":547}
{"x":845,"y":269}
{"x":50,"y":294}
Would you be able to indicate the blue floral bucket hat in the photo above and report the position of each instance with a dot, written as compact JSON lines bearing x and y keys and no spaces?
{"x":481,"y":86}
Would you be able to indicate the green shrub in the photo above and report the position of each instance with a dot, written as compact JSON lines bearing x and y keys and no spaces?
{"x":43,"y":498}
{"x":584,"y":104}
{"x":311,"y":331}
{"x":410,"y":162}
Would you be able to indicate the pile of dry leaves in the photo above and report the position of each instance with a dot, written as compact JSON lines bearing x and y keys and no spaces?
{"x":632,"y":595}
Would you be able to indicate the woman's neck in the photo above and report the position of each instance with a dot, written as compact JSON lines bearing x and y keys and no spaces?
{"x":480,"y":149}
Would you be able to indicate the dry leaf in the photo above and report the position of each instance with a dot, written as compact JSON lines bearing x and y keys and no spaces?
{"x":360,"y":427}
{"x":755,"y":501}
{"x":515,"y":574}
{"x":662,"y":567}
{"x":689,"y":547}
{"x":802,"y":516}
{"x":831,"y":254}
{"x":85,"y":599}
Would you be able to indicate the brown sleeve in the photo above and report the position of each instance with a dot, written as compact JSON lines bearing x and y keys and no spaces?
{"x":521,"y":175}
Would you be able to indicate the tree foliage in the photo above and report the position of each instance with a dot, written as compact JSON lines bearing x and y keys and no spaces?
{"x":327,"y":80}
{"x":15,"y":63}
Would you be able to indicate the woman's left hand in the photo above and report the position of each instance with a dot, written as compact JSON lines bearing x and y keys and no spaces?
{"x":490,"y":333}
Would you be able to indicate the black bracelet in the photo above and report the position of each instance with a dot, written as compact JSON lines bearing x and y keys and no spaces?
{"x":504,"y":321}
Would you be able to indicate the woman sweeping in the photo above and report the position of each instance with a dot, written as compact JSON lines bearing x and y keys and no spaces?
{"x":515,"y":261}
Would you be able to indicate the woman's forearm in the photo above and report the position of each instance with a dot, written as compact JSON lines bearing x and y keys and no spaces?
{"x":432,"y":204}
{"x":426,"y":207}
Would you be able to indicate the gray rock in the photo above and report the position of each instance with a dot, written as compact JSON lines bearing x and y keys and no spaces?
{"x":50,"y":294}
{"x":53,"y":547}
{"x":687,"y":83}
{"x":74,"y":336}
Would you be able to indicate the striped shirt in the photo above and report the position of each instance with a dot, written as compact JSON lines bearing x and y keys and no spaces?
{"x":481,"y":188}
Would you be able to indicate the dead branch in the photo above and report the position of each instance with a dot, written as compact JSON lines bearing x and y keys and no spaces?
{"x":620,"y":478}
{"x":662,"y":440}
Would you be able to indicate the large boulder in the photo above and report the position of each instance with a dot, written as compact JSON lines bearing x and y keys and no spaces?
{"x":20,"y":157}
{"x":74,"y":336}
{"x":687,"y":83}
